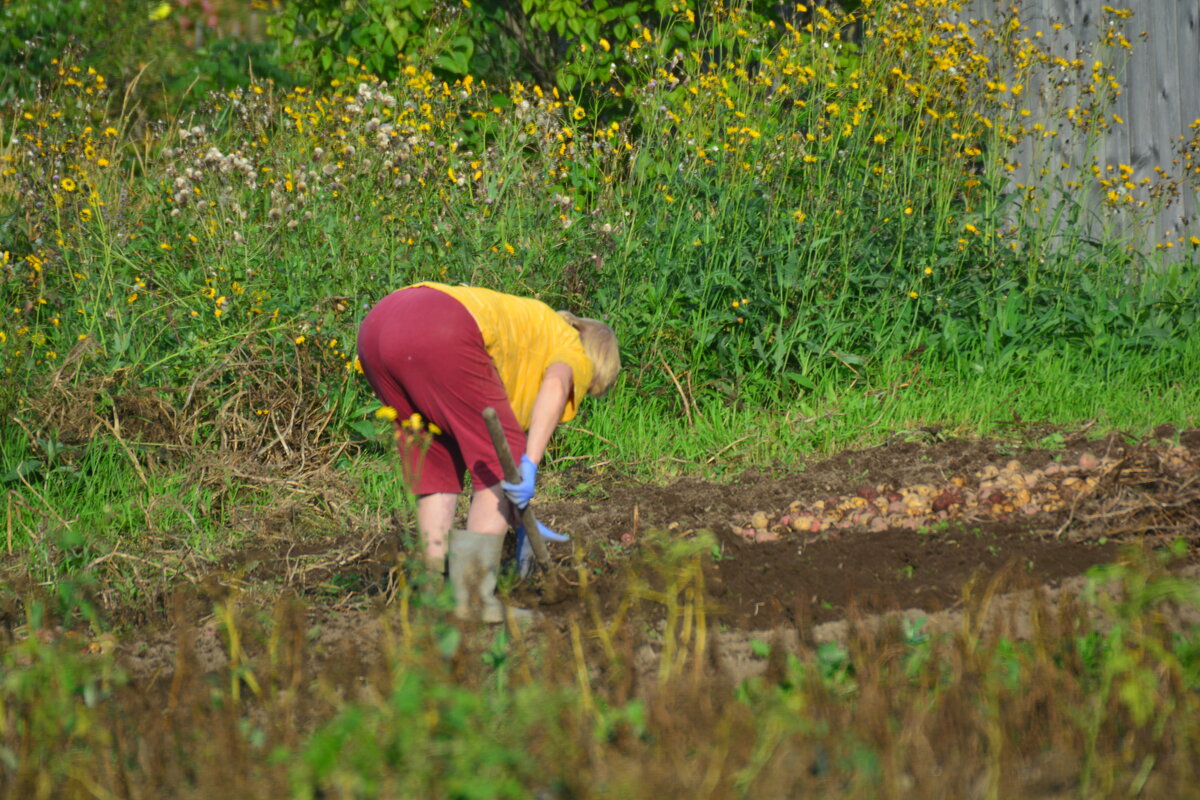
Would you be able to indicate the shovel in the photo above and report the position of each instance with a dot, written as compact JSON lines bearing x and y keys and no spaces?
{"x":513,"y":475}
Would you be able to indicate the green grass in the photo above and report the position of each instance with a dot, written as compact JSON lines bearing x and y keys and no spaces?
{"x":184,"y":365}
{"x":651,"y":436}
{"x":804,"y":243}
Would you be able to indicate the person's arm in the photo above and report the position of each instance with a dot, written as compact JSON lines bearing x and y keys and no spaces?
{"x":548,"y":405}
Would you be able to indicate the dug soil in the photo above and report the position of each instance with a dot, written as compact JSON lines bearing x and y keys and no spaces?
{"x":912,"y":524}
{"x":919,"y":524}
{"x":1130,"y":491}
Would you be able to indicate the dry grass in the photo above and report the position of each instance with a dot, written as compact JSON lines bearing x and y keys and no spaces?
{"x":1096,"y":699}
{"x":1151,"y":491}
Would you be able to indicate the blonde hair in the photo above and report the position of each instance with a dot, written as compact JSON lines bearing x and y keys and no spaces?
{"x":600,"y":344}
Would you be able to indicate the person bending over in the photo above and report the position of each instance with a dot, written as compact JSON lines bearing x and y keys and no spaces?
{"x":447,"y":352}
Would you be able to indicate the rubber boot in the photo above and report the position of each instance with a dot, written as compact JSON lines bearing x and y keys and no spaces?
{"x":432,"y":578}
{"x":474,"y":565}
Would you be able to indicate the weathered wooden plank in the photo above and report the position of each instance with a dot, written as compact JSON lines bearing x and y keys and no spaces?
{"x":1165,"y":112}
{"x":1063,"y":36}
{"x":1140,"y":86}
{"x":1144,"y":150}
{"x":1187,"y":31}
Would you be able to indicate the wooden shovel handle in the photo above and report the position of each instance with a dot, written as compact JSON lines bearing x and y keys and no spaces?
{"x":513,"y":475}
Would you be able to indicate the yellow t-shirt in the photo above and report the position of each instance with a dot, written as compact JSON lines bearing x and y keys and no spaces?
{"x":524,"y":336}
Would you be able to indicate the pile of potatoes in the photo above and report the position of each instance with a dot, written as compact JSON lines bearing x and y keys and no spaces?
{"x":992,"y":493}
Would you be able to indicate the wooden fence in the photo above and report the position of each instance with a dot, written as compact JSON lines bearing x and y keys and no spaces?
{"x":1155,"y":112}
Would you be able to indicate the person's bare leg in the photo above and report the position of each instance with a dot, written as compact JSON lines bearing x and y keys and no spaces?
{"x":435,"y":517}
{"x":489,"y":511}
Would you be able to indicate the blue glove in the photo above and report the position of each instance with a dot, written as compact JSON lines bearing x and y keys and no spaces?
{"x":521,"y":493}
{"x":525,"y":549}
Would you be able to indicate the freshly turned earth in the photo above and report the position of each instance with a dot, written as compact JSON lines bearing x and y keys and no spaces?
{"x":904,"y":525}
{"x":907,"y":525}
